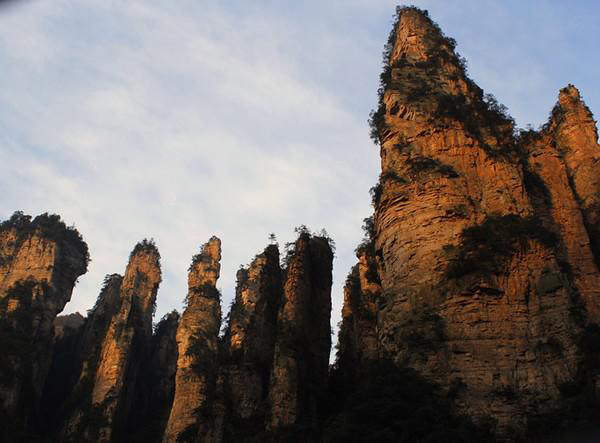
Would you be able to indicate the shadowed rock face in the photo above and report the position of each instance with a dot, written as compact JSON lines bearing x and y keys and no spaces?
{"x":164,"y":366}
{"x":124,"y":346}
{"x":67,"y":399}
{"x":197,"y":341}
{"x":40,"y":261}
{"x":358,"y":332}
{"x":479,"y":274}
{"x":115,"y":342}
{"x":484,"y":241}
{"x":156,"y":388}
{"x":301,"y":359}
{"x":247,"y":349}
{"x":566,"y":155}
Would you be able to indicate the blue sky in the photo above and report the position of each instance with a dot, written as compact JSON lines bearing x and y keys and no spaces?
{"x":180,"y":120}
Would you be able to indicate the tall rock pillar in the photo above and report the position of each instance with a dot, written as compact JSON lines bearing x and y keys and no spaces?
{"x":301,"y":359}
{"x":197,"y":342}
{"x":40,"y":261}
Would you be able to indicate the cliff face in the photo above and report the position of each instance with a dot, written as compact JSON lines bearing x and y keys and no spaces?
{"x":114,"y":344}
{"x":156,"y":387}
{"x":566,"y":155}
{"x":357,"y":336}
{"x":248,"y":346}
{"x":301,"y":357}
{"x":123,"y":347}
{"x":112,"y":378}
{"x":197,"y":342}
{"x":482,"y":238}
{"x":69,"y":419}
{"x":476,"y":294}
{"x":40,"y":261}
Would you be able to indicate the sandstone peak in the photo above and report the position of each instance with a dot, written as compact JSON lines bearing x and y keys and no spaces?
{"x":415,"y":36}
{"x":476,"y":294}
{"x":453,"y":170}
{"x":197,"y":343}
{"x":569,"y":94}
{"x":145,"y":251}
{"x":143,"y":267}
{"x":205,"y":268}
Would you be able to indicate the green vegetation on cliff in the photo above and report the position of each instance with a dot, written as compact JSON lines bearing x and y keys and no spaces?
{"x":484,"y":248}
{"x":49,"y":226}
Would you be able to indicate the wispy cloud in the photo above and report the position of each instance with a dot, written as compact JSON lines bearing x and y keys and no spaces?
{"x":150,"y":119}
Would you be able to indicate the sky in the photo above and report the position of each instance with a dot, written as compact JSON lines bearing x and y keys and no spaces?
{"x":182,"y":120}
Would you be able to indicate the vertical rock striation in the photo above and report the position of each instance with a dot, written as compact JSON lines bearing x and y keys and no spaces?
{"x":115,"y":342}
{"x":248,"y":346}
{"x":197,"y":342}
{"x":71,"y":416}
{"x":566,"y":155}
{"x":301,"y":357}
{"x":484,"y":240}
{"x":155,"y":391}
{"x":64,"y":370}
{"x":124,"y":346}
{"x":40,"y":261}
{"x":358,"y":331}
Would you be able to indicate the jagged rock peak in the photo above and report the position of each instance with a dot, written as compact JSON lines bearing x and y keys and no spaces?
{"x":358,"y":332}
{"x":304,"y":336}
{"x":197,"y":343}
{"x":206,"y":265}
{"x":258,"y":289}
{"x":145,"y":251}
{"x":108,"y":300}
{"x":166,"y":322}
{"x":416,"y":37}
{"x":123,"y":345}
{"x":572,"y":112}
{"x":40,"y":261}
{"x":456,"y":181}
{"x":70,"y":321}
{"x":51,"y":228}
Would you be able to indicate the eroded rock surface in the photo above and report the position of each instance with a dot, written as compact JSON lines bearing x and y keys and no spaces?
{"x":358,"y":331}
{"x":114,"y":345}
{"x":484,"y":240}
{"x":248,"y":346}
{"x":40,"y":261}
{"x":300,"y":365}
{"x":197,"y":342}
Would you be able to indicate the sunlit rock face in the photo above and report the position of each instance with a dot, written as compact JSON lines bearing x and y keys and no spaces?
{"x":115,"y":342}
{"x":197,"y":343}
{"x":71,"y":417}
{"x":478,"y":274}
{"x":484,"y":240}
{"x":247,"y":349}
{"x":40,"y":261}
{"x":357,"y":337}
{"x":301,"y":357}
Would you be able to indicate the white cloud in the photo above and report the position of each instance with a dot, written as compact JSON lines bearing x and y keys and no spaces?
{"x":150,"y":119}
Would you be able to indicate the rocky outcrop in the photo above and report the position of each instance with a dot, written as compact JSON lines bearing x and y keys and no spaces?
{"x":357,"y":337}
{"x":113,"y":379}
{"x":482,"y":239}
{"x":64,"y":370}
{"x":566,"y":156}
{"x":476,"y":295}
{"x":115,"y":341}
{"x":197,"y":343}
{"x":40,"y":261}
{"x":301,"y":357}
{"x":68,"y":325}
{"x":68,"y":420}
{"x":247,"y":349}
{"x":156,"y":388}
